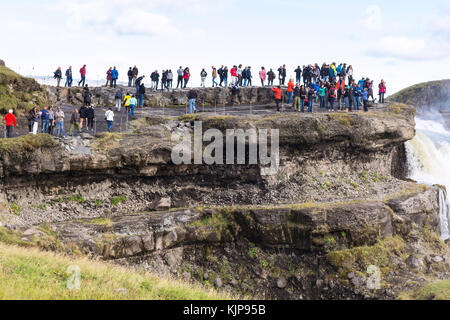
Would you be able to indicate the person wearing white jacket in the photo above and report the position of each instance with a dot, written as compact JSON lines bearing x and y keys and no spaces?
{"x":109,"y":117}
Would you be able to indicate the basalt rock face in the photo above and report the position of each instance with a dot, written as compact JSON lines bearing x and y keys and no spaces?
{"x":311,"y":230}
{"x":433,"y":96}
{"x":2,"y":63}
{"x":427,"y":95}
{"x":104,"y":96}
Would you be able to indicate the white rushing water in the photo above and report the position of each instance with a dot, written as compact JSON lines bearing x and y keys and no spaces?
{"x":429,"y":160}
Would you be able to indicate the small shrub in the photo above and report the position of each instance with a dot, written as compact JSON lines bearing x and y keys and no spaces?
{"x":76,"y":198}
{"x":116,"y":200}
{"x":98,"y":203}
{"x":14,"y":209}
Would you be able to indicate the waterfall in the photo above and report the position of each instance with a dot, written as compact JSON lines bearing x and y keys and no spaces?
{"x":428,"y":157}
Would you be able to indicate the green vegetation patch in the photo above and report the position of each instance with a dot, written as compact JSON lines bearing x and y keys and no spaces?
{"x":359,"y":258}
{"x":116,"y":200}
{"x":76,"y":198}
{"x":19,"y":93}
{"x":107,"y":141}
{"x":29,"y":274}
{"x":98,"y":222}
{"x":439,"y":290}
{"x":343,"y":119}
{"x":27,"y":143}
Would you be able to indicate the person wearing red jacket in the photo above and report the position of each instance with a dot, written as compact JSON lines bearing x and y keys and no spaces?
{"x":83,"y":76}
{"x":11,"y":122}
{"x":290,"y":90}
{"x":234,"y":76}
{"x":277,"y":91}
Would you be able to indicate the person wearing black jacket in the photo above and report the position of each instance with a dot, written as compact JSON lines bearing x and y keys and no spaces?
{"x":31,"y":118}
{"x":135,"y":74}
{"x":164,"y":80}
{"x":137,"y":83}
{"x":192,"y":96}
{"x":83,"y":116}
{"x":297,"y":97}
{"x":303,"y":96}
{"x":130,"y":77}
{"x":225,"y":76}
{"x":58,"y":75}
{"x":141,"y":95}
{"x":155,"y":80}
{"x":298,"y":74}
{"x":282,"y":74}
{"x":69,"y":78}
{"x":90,"y":115}
{"x":87,"y":96}
{"x":270,"y":77}
{"x":249,"y":76}
{"x":220,"y":73}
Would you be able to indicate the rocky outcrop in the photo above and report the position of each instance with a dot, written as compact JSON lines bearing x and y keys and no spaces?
{"x":321,"y":156}
{"x":427,"y":95}
{"x":306,"y":251}
{"x":2,"y":63}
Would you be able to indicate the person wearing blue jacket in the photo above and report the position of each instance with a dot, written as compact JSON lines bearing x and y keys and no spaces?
{"x":339,"y":69}
{"x":356,"y":94}
{"x":332,"y":75}
{"x":114,"y":77}
{"x":365,"y":98}
{"x":45,"y":119}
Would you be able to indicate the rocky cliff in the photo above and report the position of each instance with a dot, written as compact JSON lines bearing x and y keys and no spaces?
{"x":433,"y":94}
{"x":332,"y":220}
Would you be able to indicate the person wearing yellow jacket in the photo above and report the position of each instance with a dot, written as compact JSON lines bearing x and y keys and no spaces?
{"x":126,"y":102}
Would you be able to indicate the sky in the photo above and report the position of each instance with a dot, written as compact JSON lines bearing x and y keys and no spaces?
{"x":402,"y":42}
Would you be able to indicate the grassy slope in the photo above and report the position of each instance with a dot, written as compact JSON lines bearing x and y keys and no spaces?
{"x":19,"y":93}
{"x":434,"y":291}
{"x":27,"y":273}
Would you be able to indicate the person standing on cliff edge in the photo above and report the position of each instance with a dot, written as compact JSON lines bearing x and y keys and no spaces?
{"x":382,"y":90}
{"x":58,"y":75}
{"x":114,"y":77}
{"x":83,"y":76}
{"x":11,"y":122}
{"x":135,"y":74}
{"x":69,"y":77}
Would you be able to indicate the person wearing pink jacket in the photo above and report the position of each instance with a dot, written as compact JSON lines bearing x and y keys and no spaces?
{"x":382,"y":90}
{"x":262,"y":75}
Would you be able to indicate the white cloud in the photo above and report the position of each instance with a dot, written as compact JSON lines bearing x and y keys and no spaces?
{"x":135,"y":22}
{"x":373,"y":19}
{"x":430,"y":43}
{"x":409,"y":48}
{"x":125,"y":17}
{"x":441,"y":25}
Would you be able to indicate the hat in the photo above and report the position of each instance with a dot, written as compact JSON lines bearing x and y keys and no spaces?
{"x":11,"y":111}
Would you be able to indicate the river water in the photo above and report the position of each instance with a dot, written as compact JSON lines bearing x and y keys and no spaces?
{"x":429,"y":160}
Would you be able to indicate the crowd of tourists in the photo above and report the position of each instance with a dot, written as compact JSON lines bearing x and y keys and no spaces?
{"x":339,"y":77}
{"x":332,"y":86}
